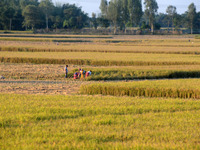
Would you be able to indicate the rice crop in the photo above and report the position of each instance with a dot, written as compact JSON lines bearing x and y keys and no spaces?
{"x":56,"y":72}
{"x":158,"y":50}
{"x":99,"y":59}
{"x":82,"y":45}
{"x":185,"y":88}
{"x":77,"y":122}
{"x":131,"y":74}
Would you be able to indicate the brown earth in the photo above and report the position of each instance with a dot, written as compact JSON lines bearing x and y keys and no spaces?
{"x":37,"y":79}
{"x":40,"y":87}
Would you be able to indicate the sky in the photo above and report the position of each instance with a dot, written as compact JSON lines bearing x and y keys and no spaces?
{"x":90,"y":6}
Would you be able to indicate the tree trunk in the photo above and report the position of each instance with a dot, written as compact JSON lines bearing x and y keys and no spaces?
{"x":47,"y":22}
{"x":191,"y":30}
{"x":115,"y":29}
{"x":10,"y":24}
{"x":152,"y":28}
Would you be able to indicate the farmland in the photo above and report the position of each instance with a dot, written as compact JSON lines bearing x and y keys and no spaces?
{"x":143,"y":92}
{"x":76,"y":122}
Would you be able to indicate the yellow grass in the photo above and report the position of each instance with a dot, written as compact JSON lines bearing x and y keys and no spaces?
{"x":106,"y":56}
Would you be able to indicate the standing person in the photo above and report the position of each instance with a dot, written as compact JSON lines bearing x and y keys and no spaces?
{"x":66,"y":71}
{"x":82,"y":75}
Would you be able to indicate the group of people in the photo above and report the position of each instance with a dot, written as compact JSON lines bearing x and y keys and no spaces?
{"x":81,"y":74}
{"x":78,"y":75}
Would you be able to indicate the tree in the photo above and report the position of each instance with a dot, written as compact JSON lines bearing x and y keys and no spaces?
{"x":94,"y":21}
{"x":191,"y":16}
{"x":104,"y":7}
{"x":24,"y":3}
{"x":32,"y":15}
{"x":135,"y":11}
{"x":103,"y":22}
{"x":57,"y":21}
{"x":171,"y":12}
{"x":124,"y":13}
{"x":47,"y":7}
{"x":114,"y":13}
{"x":9,"y":13}
{"x":151,"y":8}
{"x":74,"y":17}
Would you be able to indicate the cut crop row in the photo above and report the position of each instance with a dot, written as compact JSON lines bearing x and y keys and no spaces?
{"x":89,"y":62}
{"x":165,"y":88}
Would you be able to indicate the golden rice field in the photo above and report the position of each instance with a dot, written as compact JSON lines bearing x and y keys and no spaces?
{"x":143,"y":92}
{"x":84,"y":122}
{"x":187,"y":88}
{"x":106,"y":56}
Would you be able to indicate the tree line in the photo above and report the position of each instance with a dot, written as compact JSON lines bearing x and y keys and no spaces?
{"x":118,"y":14}
{"x":32,"y":14}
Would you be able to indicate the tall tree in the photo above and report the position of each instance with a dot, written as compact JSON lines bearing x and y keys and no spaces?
{"x":74,"y":17}
{"x":151,"y":8}
{"x":135,"y":11}
{"x":94,"y":21}
{"x":191,"y":16}
{"x":9,"y":13}
{"x":47,"y":7}
{"x":24,"y":3}
{"x":32,"y":15}
{"x":114,"y":13}
{"x":104,"y":7}
{"x":124,"y":13}
{"x":171,"y":12}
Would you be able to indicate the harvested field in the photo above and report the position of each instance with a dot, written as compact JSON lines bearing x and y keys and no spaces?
{"x":40,"y":87}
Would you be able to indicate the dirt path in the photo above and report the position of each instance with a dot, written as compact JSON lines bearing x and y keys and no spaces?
{"x":40,"y":87}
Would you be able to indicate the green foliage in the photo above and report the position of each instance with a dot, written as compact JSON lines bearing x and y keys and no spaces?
{"x":46,"y":7}
{"x":191,"y":16}
{"x":74,"y":17}
{"x":135,"y":11}
{"x":166,"y":88}
{"x":85,"y":122}
{"x":32,"y":16}
{"x":151,"y":8}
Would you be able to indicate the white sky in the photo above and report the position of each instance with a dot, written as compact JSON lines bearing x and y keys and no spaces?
{"x":90,"y":6}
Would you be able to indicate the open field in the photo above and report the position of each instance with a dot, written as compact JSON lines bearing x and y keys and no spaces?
{"x":76,"y":122}
{"x":40,"y":109}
